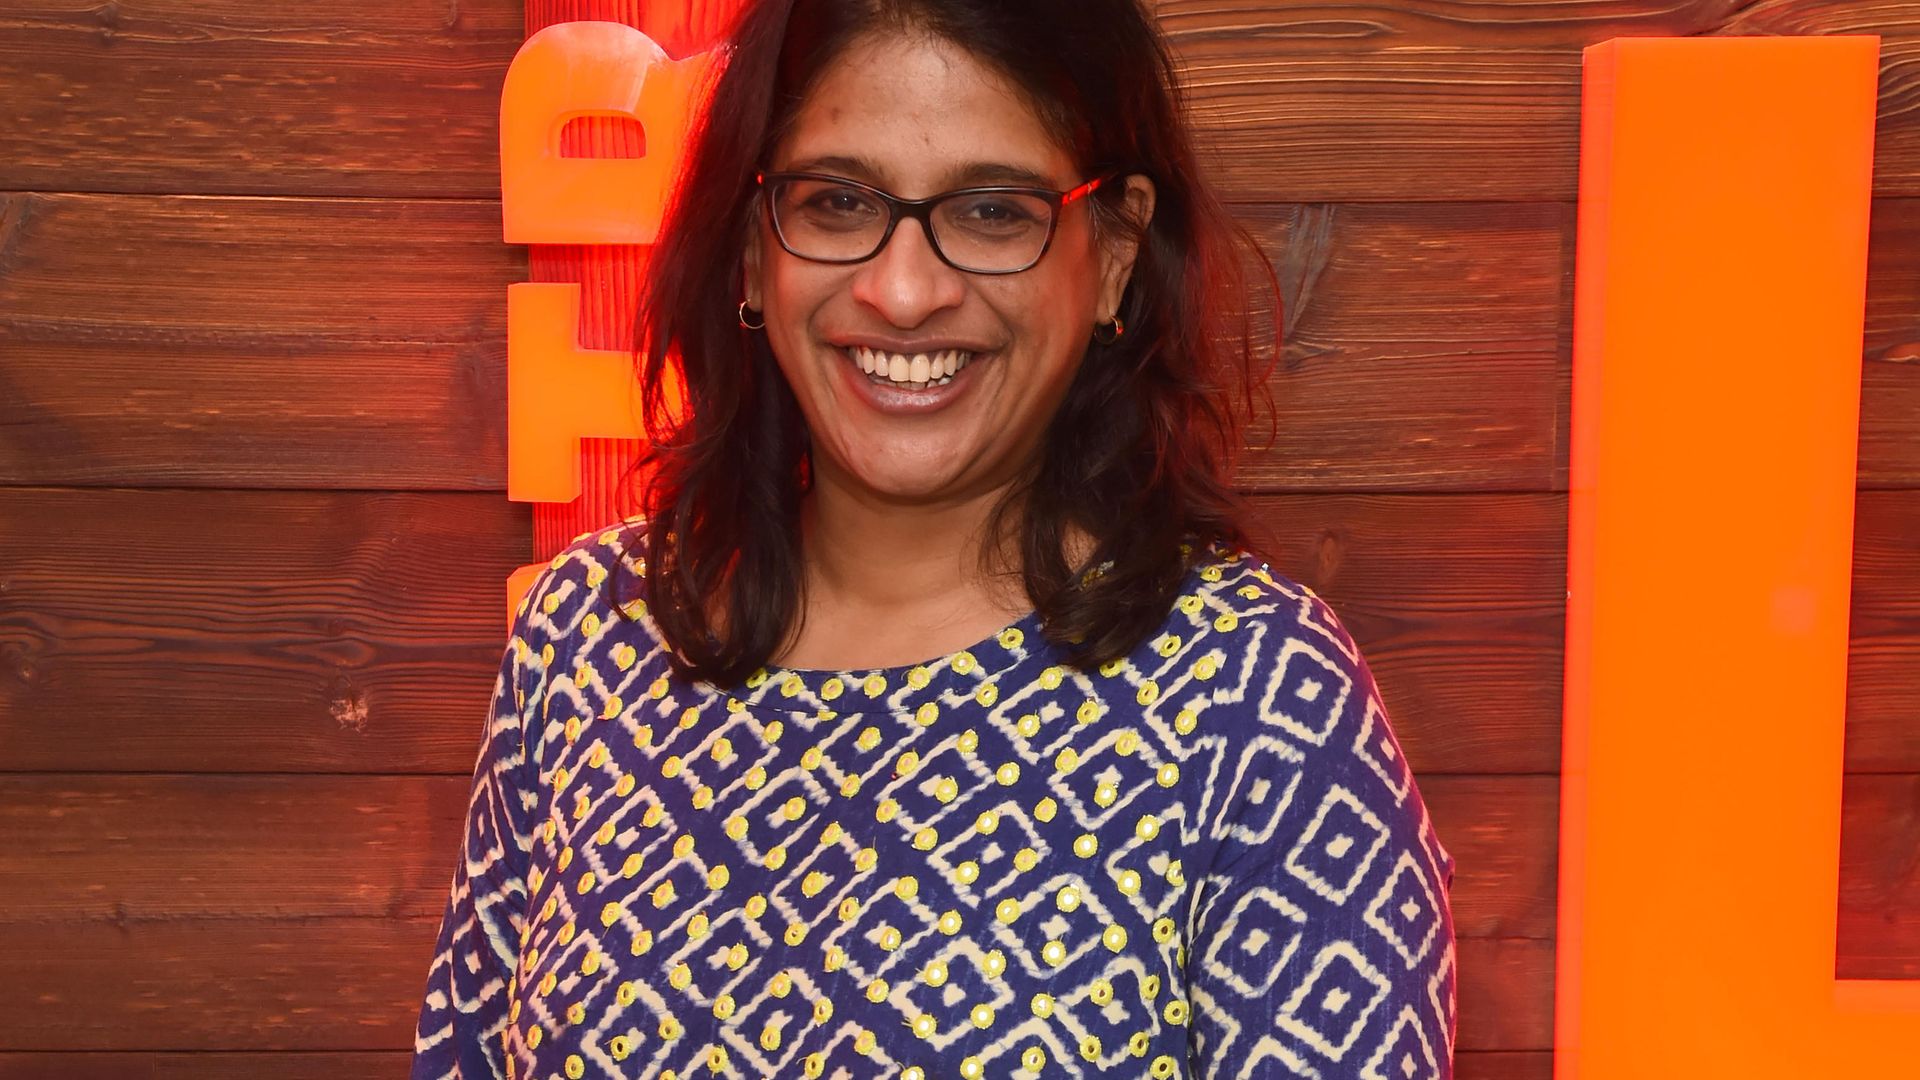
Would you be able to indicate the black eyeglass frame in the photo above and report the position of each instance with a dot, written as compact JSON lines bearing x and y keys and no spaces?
{"x":921,"y":210}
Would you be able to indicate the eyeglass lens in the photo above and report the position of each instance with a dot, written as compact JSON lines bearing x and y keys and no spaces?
{"x":985,"y":231}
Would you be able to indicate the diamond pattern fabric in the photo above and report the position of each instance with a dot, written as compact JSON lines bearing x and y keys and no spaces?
{"x":1205,"y":859}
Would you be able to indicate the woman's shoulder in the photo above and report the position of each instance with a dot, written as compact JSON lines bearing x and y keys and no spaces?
{"x":1273,"y":654}
{"x":1289,"y":694}
{"x":572,"y":588}
{"x":1233,"y":590}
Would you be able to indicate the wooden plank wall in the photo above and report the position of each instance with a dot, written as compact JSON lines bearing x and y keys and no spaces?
{"x":253,"y":531}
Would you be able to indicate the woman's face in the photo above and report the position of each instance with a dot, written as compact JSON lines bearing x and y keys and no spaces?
{"x":916,"y":116}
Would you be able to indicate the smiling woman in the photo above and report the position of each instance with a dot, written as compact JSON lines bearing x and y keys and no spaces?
{"x":936,"y":719}
{"x":806,"y":260}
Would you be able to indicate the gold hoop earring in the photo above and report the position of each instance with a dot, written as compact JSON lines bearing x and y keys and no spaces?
{"x":761,"y":325}
{"x":1109,"y":332}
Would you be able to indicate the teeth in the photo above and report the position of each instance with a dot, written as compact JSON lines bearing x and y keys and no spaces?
{"x":919,"y":370}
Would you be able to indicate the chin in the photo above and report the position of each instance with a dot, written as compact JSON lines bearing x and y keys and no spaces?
{"x":906,"y":488}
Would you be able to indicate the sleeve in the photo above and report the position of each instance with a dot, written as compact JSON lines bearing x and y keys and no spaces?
{"x":465,"y":1012}
{"x":1320,"y":942}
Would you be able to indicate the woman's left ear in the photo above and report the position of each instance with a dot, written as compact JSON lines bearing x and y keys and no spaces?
{"x":1119,"y":248}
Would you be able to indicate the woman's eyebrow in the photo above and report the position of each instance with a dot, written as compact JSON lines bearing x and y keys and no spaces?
{"x":855,"y":167}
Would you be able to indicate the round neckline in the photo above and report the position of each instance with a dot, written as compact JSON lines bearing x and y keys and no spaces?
{"x":1015,"y":654}
{"x":973,"y":672}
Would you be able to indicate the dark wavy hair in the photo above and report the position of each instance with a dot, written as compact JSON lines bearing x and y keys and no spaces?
{"x":1139,"y":453}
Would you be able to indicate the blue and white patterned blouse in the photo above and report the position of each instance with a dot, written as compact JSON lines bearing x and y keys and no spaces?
{"x":1206,"y":860}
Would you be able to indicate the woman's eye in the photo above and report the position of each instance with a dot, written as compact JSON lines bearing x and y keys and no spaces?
{"x":994,"y":215}
{"x":841,"y":201}
{"x":996,"y":212}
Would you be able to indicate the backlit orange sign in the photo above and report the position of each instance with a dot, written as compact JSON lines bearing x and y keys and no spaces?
{"x":1719,"y":299}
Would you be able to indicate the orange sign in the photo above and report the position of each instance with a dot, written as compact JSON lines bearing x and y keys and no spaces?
{"x":1721,"y":284}
{"x":557,"y":392}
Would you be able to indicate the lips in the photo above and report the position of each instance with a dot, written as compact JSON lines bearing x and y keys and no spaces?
{"x":885,"y":397}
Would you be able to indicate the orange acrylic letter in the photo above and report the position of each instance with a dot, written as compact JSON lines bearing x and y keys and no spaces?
{"x":1724,"y":193}
{"x":559,"y":393}
{"x":588,"y":68}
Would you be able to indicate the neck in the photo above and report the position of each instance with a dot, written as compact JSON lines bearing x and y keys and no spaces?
{"x":875,"y":556}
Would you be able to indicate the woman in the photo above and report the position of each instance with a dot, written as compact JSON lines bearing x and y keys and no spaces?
{"x":935,"y":720}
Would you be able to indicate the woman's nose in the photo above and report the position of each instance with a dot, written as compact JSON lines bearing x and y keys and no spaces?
{"x":906,"y":282}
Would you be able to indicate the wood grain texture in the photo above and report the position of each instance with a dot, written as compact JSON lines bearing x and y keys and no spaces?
{"x":1340,"y":103}
{"x":356,"y":984}
{"x":325,"y":343}
{"x":311,"y":343}
{"x":369,"y":1065}
{"x":287,"y":1065}
{"x":330,"y":97}
{"x":338,"y":631}
{"x":175,"y":867}
{"x":332,"y":1065}
{"x":373,"y":1065}
{"x":151,"y":848}
{"x":248,"y":631}
{"x":1879,"y":931}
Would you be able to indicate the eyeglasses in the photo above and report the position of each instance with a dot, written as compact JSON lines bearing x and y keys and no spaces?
{"x":982,"y":230}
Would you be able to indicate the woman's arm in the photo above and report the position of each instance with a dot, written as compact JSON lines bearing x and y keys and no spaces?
{"x":465,"y":1014}
{"x":1321,"y":943}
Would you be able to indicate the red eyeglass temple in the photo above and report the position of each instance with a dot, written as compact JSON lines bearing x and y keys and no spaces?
{"x":1082,"y":191}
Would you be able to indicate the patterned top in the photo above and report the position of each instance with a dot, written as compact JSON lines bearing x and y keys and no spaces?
{"x":1207,"y":859}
